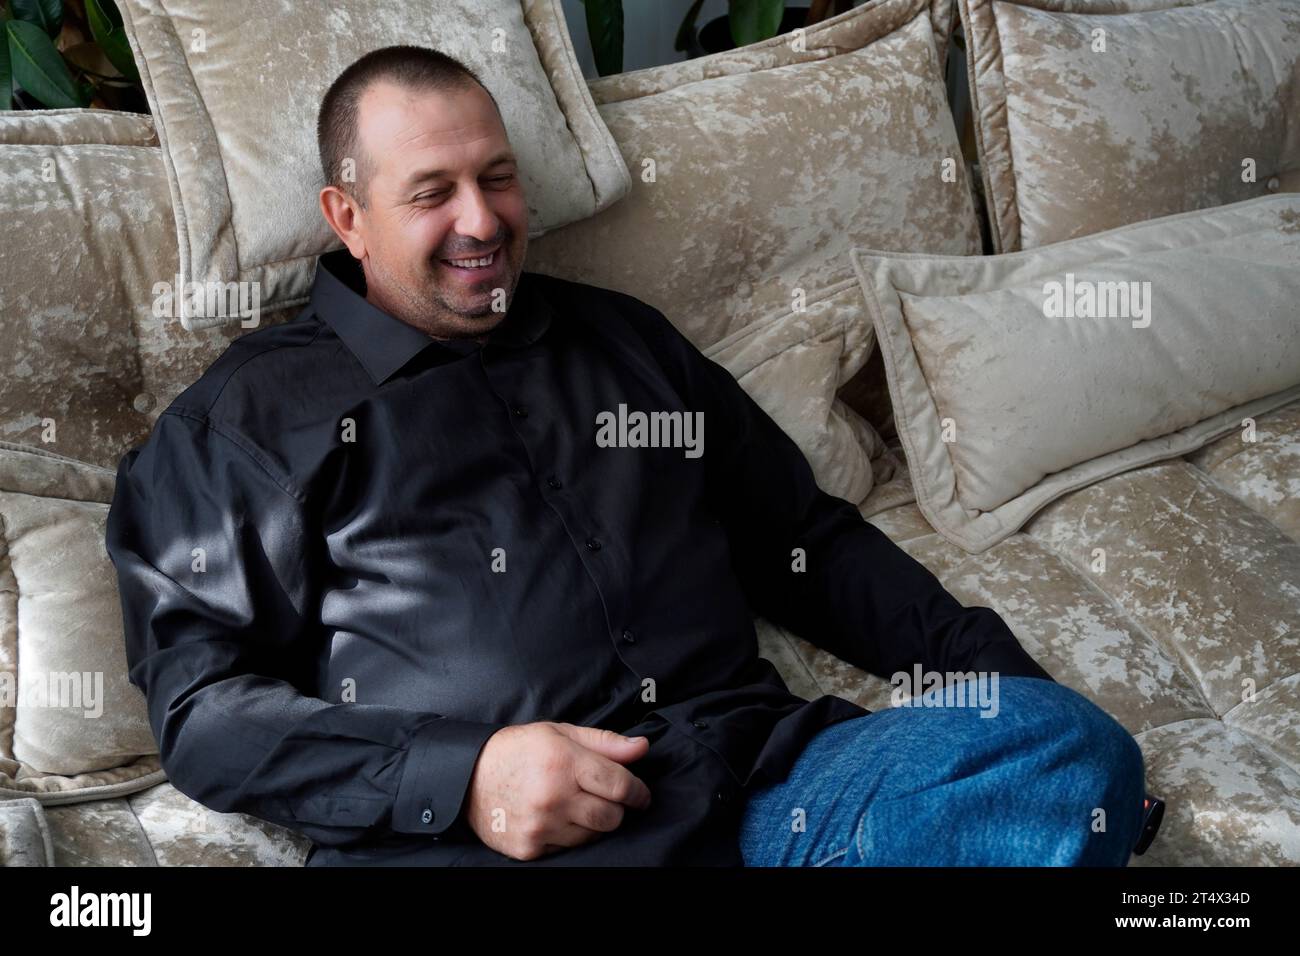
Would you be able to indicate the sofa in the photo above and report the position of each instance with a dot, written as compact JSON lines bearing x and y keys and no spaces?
{"x":1126,"y":498}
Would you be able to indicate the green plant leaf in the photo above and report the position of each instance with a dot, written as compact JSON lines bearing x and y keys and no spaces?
{"x":6,"y":74}
{"x":46,"y":14}
{"x":106,"y":27}
{"x":686,"y":31}
{"x":605,"y":30}
{"x":754,"y":20}
{"x":38,"y":68}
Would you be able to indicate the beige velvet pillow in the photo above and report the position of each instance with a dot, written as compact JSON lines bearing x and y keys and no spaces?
{"x":756,"y":170}
{"x":88,"y":361}
{"x":72,"y":726}
{"x":1090,"y":114}
{"x":1017,"y":378}
{"x":235,"y":88}
{"x":792,"y":365}
{"x":73,"y":127}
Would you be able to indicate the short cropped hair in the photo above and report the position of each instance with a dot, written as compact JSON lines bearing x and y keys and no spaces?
{"x":337,"y":128}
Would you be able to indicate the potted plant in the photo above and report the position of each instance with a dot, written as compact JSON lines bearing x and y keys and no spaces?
{"x":58,"y":54}
{"x":746,"y":22}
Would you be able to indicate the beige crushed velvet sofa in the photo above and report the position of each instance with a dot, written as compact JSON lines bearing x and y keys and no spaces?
{"x":804,"y":214}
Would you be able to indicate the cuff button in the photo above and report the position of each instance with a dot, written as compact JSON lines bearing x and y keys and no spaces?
{"x":426,"y":816}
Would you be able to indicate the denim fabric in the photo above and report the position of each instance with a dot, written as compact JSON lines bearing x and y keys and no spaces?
{"x":943,"y":786}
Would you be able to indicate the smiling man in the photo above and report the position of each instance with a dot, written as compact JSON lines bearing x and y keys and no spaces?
{"x":407,"y":152}
{"x":382,"y":584}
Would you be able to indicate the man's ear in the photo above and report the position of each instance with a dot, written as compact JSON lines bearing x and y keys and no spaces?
{"x":342,"y":213}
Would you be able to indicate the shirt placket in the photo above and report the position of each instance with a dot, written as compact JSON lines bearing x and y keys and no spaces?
{"x":512,"y":376}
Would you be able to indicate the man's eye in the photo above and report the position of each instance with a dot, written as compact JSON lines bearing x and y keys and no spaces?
{"x":502,"y":179}
{"x":425,"y":197}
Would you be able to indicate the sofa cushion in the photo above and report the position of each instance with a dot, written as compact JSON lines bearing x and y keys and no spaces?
{"x":24,"y":835}
{"x":792,"y":366}
{"x":756,"y":170}
{"x":69,"y":374}
{"x":1185,"y":107}
{"x":75,"y":127}
{"x":235,"y":88}
{"x":1016,"y":378}
{"x":1260,"y":464}
{"x":1173,"y":604}
{"x":93,"y":351}
{"x":72,"y":727}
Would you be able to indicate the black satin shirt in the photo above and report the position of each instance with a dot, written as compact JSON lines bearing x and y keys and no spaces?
{"x":350,"y":552}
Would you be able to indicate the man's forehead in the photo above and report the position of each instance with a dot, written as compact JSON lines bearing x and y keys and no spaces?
{"x":411,"y":126}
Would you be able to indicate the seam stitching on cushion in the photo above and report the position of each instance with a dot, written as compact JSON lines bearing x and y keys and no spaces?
{"x":1178,"y":660}
{"x":9,"y":725}
{"x":1265,"y":747}
{"x":179,"y":217}
{"x":586,"y":104}
{"x":1231,"y":493}
{"x":143,"y":833}
{"x":34,"y":450}
{"x":227,"y":225}
{"x":903,"y":418}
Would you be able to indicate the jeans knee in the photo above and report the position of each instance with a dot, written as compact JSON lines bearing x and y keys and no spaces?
{"x":1105,"y":758}
{"x":1114,"y":769}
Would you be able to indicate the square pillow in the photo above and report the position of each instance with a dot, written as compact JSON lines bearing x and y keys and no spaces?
{"x":72,"y":726}
{"x":757,"y":169}
{"x":235,"y":88}
{"x":793,"y":366}
{"x":90,"y":358}
{"x":1090,"y":114}
{"x":1017,"y":378}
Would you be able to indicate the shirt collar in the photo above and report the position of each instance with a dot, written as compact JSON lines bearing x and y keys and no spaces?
{"x":383,"y":343}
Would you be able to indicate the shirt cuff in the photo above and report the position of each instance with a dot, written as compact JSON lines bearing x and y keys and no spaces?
{"x":440,"y":760}
{"x":1008,"y":659}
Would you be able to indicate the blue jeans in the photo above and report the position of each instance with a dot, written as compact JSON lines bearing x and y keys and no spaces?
{"x":943,"y":786}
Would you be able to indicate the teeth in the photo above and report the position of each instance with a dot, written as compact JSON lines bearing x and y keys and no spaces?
{"x":473,"y":263}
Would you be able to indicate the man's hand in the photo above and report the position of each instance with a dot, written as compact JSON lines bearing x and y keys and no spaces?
{"x":544,"y":786}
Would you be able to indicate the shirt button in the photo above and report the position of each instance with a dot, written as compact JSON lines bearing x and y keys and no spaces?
{"x":629,"y":637}
{"x":553,"y":482}
{"x":426,"y":816}
{"x":721,"y":797}
{"x":1273,"y":184}
{"x":593,"y":544}
{"x":699,"y":724}
{"x":520,"y":411}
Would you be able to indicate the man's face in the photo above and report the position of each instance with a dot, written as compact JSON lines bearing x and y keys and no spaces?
{"x":443,"y":185}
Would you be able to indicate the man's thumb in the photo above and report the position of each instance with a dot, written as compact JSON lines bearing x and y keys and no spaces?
{"x":607,"y":743}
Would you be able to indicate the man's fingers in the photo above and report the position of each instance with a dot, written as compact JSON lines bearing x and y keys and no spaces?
{"x":602,"y":777}
{"x":595,"y":813}
{"x":613,"y":745}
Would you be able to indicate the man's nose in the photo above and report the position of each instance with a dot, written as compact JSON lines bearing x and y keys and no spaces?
{"x":474,"y":217}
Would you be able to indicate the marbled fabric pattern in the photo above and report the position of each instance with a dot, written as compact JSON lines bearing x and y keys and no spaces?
{"x":1005,"y":401}
{"x":1186,"y":632}
{"x":754,"y":172}
{"x":1074,"y":139}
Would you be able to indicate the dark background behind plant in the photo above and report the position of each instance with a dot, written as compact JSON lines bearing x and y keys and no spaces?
{"x":746,"y":22}
{"x":59,"y":54}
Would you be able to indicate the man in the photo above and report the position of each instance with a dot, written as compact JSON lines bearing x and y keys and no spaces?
{"x":381,"y":584}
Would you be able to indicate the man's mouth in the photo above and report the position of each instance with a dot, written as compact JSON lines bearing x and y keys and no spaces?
{"x":474,"y":265}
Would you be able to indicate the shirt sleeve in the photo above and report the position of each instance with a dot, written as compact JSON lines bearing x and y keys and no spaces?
{"x":860,"y":596}
{"x":217,"y":573}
